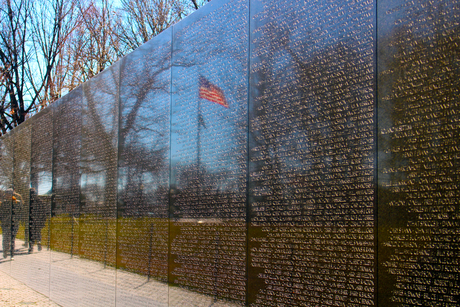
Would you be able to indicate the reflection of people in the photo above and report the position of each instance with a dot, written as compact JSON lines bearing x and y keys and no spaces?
{"x":15,"y":218}
{"x":37,"y":220}
{"x":5,"y":218}
{"x":10,"y":215}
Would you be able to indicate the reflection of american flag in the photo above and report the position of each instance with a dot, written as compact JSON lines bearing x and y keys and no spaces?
{"x":211,"y":92}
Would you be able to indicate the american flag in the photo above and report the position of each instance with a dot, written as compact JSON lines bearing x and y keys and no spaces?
{"x":212,"y":92}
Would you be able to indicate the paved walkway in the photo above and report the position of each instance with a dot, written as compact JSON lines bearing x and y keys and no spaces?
{"x":15,"y":293}
{"x":50,"y":278}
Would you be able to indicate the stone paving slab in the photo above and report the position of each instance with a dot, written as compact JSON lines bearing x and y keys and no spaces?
{"x":15,"y":293}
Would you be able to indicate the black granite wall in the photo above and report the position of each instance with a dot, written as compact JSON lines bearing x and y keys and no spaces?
{"x":258,"y":153}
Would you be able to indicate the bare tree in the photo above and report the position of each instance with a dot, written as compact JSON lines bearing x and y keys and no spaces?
{"x":49,"y":41}
{"x":96,"y":44}
{"x":32,"y":36}
{"x":143,"y":19}
{"x":14,"y":22}
{"x":199,"y":3}
{"x":49,"y":47}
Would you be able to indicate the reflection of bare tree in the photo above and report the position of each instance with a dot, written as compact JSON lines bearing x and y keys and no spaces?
{"x":66,"y":171}
{"x":6,"y":183}
{"x":41,"y":166}
{"x":143,"y":169}
{"x":98,"y":166}
{"x":42,"y":152}
{"x":66,"y":153}
{"x":144,"y":132}
{"x":21,"y":176}
{"x":209,"y":155}
{"x":6,"y":163}
{"x":99,"y":143}
{"x":14,"y":166}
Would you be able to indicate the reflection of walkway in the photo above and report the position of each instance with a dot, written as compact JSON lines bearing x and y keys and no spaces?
{"x":78,"y":282}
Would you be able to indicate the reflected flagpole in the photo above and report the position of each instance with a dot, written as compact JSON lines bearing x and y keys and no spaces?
{"x":199,"y":121}
{"x":212,"y":93}
{"x":201,"y":124}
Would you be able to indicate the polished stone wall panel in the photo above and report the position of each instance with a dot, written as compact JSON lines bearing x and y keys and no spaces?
{"x":41,"y":178}
{"x":311,"y":236}
{"x":65,"y":206}
{"x":20,"y":202}
{"x":143,"y":173}
{"x":419,"y":160}
{"x":41,"y":165}
{"x":209,"y":152}
{"x":6,"y":185}
{"x":98,"y":180}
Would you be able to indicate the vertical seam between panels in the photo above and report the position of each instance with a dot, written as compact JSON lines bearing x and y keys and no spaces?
{"x":170,"y":156}
{"x":376,"y":169}
{"x":248,"y":150}
{"x":118,"y":105}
